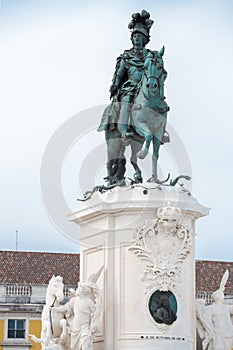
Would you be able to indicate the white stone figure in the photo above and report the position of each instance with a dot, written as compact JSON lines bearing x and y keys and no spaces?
{"x":54,"y":326}
{"x":214,"y":323}
{"x":69,"y":315}
{"x":86,"y":307}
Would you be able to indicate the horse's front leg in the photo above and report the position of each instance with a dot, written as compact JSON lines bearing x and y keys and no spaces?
{"x":155,"y":156}
{"x":144,"y":131}
{"x":63,"y":326}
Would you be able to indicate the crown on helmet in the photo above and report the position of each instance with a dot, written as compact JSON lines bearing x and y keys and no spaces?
{"x":141,"y":23}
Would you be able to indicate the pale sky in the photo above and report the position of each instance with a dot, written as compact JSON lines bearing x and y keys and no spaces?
{"x":57,"y":60}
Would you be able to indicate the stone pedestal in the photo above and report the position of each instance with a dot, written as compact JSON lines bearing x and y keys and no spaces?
{"x":145,"y":238}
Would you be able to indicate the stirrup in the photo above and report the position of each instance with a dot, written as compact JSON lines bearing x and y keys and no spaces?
{"x":165,"y":138}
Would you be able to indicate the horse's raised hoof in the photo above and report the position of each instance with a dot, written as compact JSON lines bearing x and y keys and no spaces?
{"x":143,"y":153}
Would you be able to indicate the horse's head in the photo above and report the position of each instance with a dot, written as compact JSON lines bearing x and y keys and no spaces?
{"x":153,"y":70}
{"x":56,"y":287}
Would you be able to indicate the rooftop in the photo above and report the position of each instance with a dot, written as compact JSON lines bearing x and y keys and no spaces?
{"x":38,"y":267}
{"x":209,"y":275}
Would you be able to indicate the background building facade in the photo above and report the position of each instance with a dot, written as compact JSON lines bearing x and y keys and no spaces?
{"x":24,"y":277}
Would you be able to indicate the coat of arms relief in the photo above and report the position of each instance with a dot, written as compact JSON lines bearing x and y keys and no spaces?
{"x":162,"y":245}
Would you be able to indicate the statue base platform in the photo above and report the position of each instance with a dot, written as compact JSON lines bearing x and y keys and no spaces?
{"x":145,"y":238}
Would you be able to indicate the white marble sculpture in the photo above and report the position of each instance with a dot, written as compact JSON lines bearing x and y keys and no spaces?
{"x":214,"y":323}
{"x":73,"y":325}
{"x":54,"y":325}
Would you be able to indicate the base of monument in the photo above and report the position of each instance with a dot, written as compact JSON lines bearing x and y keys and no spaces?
{"x":145,"y":239}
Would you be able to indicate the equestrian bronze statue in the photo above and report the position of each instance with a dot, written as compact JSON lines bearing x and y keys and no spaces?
{"x":137,"y":115}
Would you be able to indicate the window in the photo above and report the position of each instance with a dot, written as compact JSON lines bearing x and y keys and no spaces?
{"x":16,"y":329}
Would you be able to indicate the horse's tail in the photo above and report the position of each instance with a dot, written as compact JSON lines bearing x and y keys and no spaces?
{"x":35,"y":339}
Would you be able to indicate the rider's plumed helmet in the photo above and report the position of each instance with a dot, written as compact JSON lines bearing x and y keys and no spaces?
{"x":141,"y":23}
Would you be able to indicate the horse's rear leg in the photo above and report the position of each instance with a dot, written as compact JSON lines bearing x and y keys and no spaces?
{"x":43,"y":331}
{"x":63,"y":326}
{"x":135,"y":148}
{"x":116,"y":161}
{"x":46,"y":334}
